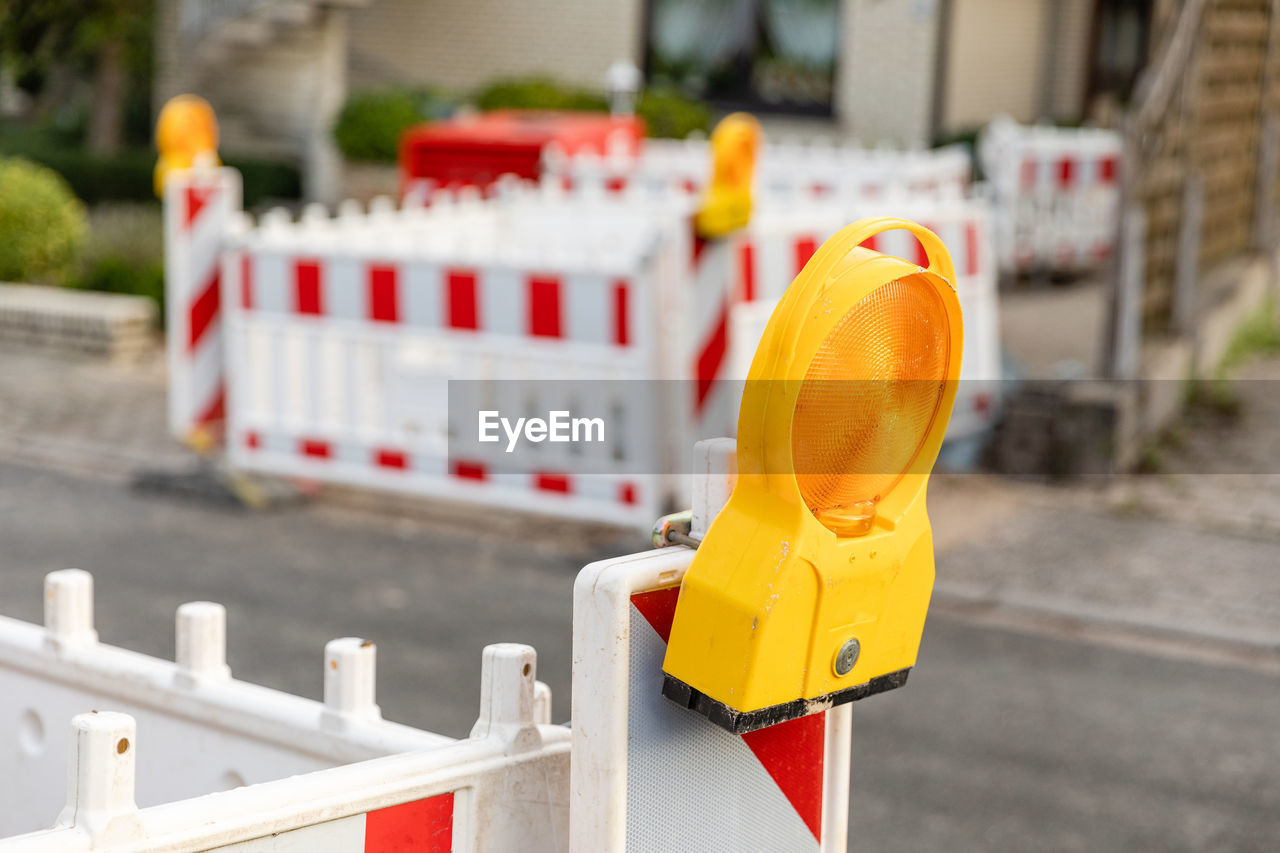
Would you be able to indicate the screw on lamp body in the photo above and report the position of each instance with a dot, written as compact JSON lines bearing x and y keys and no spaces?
{"x":847,"y":656}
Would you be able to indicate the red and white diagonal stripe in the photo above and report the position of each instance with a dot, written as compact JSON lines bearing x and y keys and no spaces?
{"x":198,"y":207}
{"x":422,"y":826}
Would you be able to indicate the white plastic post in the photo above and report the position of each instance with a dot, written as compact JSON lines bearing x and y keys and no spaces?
{"x":382,"y":207}
{"x":201,"y":628}
{"x":835,"y":815}
{"x":276,"y":219}
{"x":100,"y":777}
{"x":350,"y":676}
{"x":507,"y":678}
{"x":239,"y":225}
{"x":350,"y":211}
{"x":542,"y":703}
{"x":715,"y":471}
{"x":68,"y":609}
{"x":315,"y":213}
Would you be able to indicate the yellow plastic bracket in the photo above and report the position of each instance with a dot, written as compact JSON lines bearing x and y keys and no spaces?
{"x":782,"y":614}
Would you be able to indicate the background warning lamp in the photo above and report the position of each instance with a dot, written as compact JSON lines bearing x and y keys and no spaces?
{"x":186,"y":129}
{"x":725,"y":206}
{"x":811,"y":586}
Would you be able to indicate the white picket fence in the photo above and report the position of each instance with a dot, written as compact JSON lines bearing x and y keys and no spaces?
{"x":1056,"y":193}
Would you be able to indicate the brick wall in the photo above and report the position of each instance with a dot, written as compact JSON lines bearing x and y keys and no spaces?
{"x":1211,"y":129}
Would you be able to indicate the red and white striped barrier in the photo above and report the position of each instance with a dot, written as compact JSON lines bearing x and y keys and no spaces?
{"x":785,"y":170}
{"x":198,"y":207}
{"x":344,"y":334}
{"x":1056,"y":193}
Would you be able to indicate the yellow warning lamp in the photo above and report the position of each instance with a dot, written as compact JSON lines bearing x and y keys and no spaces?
{"x":726,"y":204}
{"x":185,"y":130}
{"x":810,"y":588}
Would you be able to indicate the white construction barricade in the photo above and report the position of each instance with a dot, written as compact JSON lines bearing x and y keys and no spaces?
{"x":206,"y":731}
{"x":344,"y":336}
{"x":785,"y":169}
{"x":502,"y":789}
{"x":357,"y":349}
{"x":1056,"y":193}
{"x":149,"y":744}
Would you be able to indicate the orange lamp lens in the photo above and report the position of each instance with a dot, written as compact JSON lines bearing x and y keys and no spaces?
{"x":868,"y":400}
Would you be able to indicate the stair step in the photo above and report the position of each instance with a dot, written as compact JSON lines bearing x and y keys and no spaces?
{"x":243,"y":31}
{"x":290,"y":12}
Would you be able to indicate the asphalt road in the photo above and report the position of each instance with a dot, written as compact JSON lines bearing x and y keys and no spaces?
{"x":1004,"y":740}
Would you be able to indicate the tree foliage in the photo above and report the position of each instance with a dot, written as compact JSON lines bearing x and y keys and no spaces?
{"x":50,"y":44}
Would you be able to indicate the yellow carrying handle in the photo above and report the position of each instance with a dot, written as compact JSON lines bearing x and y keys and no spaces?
{"x":844,"y":241}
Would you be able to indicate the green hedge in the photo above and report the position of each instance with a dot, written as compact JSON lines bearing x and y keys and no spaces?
{"x":265,"y":180}
{"x":42,"y":225}
{"x":127,"y":176}
{"x":539,"y":93}
{"x":371,"y":123}
{"x":666,"y":112}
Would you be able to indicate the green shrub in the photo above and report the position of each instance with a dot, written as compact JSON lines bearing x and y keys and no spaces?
{"x":371,"y":123}
{"x":539,"y":93}
{"x":670,"y":115}
{"x":42,"y":225}
{"x":127,"y":176}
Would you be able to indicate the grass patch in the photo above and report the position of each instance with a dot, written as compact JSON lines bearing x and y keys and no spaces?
{"x":1217,"y":399}
{"x":1258,"y":335}
{"x":1151,"y":460}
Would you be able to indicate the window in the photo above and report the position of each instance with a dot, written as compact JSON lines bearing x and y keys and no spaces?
{"x":768,"y":55}
{"x":1121,"y":31}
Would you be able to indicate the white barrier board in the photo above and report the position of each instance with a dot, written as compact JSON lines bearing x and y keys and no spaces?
{"x":651,"y":777}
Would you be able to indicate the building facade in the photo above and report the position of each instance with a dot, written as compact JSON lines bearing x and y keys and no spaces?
{"x":904,"y":72}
